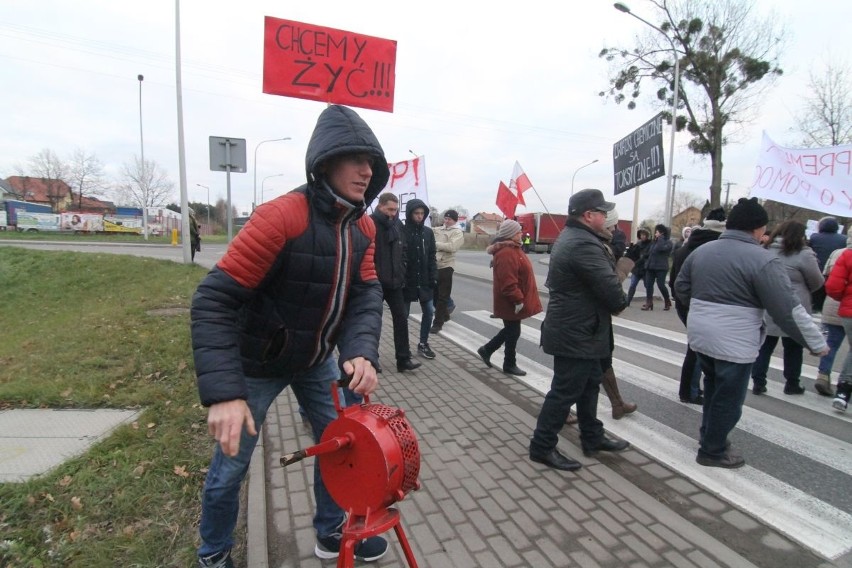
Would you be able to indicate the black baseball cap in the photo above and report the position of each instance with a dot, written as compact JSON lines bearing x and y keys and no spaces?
{"x":588,"y":200}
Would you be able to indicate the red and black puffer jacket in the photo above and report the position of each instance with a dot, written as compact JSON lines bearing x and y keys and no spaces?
{"x":297,"y":281}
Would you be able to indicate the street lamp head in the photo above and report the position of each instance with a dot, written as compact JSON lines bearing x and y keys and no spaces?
{"x":622,"y":7}
{"x":140,"y":77}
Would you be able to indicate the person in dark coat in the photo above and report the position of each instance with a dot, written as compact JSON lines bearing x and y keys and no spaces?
{"x":690,"y":371}
{"x":638,"y":253}
{"x":515,"y":294}
{"x":826,"y":240}
{"x":577,"y":331}
{"x":421,"y":269}
{"x":618,"y":244}
{"x":390,"y":266}
{"x":194,"y":235}
{"x":297,"y":283}
{"x":657,"y":266}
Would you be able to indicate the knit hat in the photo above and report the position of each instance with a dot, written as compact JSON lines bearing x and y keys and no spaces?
{"x":715,"y":220}
{"x":452,"y":214}
{"x":508,"y":229}
{"x":611,"y":219}
{"x":747,"y":215}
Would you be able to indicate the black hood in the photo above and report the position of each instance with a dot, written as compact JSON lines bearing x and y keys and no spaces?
{"x":340,"y":130}
{"x":413,"y":204}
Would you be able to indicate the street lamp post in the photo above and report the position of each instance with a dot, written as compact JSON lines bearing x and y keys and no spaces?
{"x":577,"y":170}
{"x":208,"y":203}
{"x":143,"y":186}
{"x":621,"y":7}
{"x":263,"y":182}
{"x":254,"y":202}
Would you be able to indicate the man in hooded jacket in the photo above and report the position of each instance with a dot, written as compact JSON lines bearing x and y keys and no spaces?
{"x":421,"y":269}
{"x":390,"y":266}
{"x":297,"y":281}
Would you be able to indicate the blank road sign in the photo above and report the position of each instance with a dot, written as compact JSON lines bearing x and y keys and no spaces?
{"x":219,"y":148}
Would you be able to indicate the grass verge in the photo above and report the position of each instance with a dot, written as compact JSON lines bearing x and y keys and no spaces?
{"x":78,"y":334}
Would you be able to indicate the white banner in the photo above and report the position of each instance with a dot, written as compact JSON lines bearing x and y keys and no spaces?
{"x":813,"y":178}
{"x":408,"y":181}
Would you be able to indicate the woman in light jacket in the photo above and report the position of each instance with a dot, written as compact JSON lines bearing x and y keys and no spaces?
{"x":832,"y":327}
{"x":787,"y":241}
{"x":839,"y":287}
{"x":515,"y":294}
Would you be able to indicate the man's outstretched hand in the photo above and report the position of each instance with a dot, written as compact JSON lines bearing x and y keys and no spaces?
{"x":225,"y":423}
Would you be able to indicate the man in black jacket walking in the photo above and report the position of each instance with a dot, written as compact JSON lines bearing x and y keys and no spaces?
{"x":390,"y":266}
{"x":584,"y":294}
{"x":421,"y":269}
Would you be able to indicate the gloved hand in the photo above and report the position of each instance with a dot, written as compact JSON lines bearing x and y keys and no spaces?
{"x":519,"y":307}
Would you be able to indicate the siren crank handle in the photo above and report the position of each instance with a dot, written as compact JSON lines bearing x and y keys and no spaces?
{"x":297,"y":456}
{"x":326,"y":447}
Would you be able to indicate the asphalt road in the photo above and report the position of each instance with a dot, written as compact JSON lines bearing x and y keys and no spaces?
{"x":798,"y":449}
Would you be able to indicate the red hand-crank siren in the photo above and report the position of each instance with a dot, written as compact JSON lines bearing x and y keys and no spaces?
{"x":369,"y":459}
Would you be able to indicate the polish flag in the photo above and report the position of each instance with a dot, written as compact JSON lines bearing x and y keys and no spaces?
{"x":507,"y":201}
{"x":520,"y":183}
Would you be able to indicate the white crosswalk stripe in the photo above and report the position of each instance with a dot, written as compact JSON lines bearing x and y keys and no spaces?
{"x":804,"y":518}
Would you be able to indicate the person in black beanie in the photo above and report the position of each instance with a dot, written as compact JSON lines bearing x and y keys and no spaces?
{"x":727,"y":285}
{"x":690,"y":373}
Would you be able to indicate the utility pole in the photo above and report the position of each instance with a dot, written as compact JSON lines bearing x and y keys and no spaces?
{"x":728,"y":193}
{"x":674,"y":184}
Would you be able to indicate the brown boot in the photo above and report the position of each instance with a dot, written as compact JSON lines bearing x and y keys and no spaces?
{"x":648,"y":305}
{"x":619,"y":407}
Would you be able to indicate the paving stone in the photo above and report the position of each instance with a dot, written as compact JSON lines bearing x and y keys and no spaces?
{"x":740,"y":521}
{"x":709,"y":502}
{"x":681,"y":485}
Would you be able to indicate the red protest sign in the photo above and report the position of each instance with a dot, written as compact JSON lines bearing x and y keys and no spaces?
{"x":328,"y":65}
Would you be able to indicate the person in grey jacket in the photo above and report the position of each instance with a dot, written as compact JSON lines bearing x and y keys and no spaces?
{"x":735,"y":281}
{"x":584,"y":294}
{"x":788,"y":243}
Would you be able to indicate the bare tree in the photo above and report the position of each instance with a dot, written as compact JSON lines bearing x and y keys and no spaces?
{"x":86,"y":175}
{"x":145,"y":185}
{"x":826,"y":119}
{"x":681,"y":201}
{"x":728,"y":57}
{"x":47,"y":166}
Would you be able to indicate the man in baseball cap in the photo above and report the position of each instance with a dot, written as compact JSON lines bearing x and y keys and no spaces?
{"x":584,"y":287}
{"x":588,"y":200}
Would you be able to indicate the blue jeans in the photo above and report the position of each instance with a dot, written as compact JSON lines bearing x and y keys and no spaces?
{"x":428,"y":309}
{"x":793,"y":354}
{"x":725,"y":387}
{"x":834,"y":335}
{"x":220,"y":499}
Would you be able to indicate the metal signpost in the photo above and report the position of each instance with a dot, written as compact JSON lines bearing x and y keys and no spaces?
{"x":228,"y":155}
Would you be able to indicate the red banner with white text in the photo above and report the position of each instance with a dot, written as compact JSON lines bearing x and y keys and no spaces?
{"x":328,"y":65}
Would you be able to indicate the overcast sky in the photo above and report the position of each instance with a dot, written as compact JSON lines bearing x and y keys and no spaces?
{"x":476,"y":90}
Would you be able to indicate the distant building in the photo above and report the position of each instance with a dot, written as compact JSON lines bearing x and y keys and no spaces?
{"x":485,"y":224}
{"x":689,"y":217}
{"x":53,"y":192}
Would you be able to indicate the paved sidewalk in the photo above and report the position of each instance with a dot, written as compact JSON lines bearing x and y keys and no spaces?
{"x":484,"y":504}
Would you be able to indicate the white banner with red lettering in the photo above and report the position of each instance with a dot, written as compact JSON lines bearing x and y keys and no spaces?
{"x":408,"y":181}
{"x":813,"y":178}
